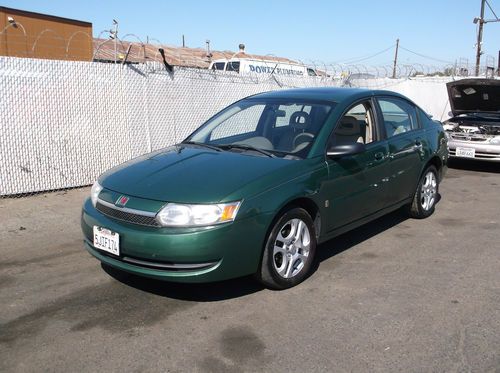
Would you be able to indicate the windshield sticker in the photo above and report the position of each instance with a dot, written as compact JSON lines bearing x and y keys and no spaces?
{"x":469,"y":91}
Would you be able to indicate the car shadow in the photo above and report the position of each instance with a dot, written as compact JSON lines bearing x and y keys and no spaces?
{"x":240,"y":287}
{"x":209,"y":292}
{"x":358,"y":235}
{"x":474,"y":165}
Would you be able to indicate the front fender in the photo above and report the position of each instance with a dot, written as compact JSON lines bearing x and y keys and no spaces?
{"x":307,"y":186}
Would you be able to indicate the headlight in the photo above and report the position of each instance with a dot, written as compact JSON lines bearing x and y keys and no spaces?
{"x":495,"y":140}
{"x":94,"y":192}
{"x":177,"y":215}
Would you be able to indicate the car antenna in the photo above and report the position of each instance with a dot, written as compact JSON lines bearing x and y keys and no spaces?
{"x":167,"y":65}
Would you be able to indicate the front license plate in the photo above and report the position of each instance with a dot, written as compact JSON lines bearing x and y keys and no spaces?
{"x":466,"y":152}
{"x":106,"y":240}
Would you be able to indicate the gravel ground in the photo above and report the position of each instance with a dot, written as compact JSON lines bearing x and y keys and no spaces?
{"x":394,"y":295}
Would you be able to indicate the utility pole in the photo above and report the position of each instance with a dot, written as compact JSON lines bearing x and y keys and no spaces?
{"x":183,"y":42}
{"x":498,"y":68}
{"x":482,"y":22}
{"x":479,"y":37}
{"x":395,"y":60}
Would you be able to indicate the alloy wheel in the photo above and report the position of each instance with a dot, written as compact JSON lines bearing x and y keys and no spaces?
{"x":291,"y":248}
{"x":428,"y":191}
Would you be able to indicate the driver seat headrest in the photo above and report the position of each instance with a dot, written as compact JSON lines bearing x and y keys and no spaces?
{"x":348,"y":126}
{"x":299,"y":120}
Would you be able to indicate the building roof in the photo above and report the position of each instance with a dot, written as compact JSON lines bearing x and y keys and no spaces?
{"x":104,"y":50}
{"x":27,"y":13}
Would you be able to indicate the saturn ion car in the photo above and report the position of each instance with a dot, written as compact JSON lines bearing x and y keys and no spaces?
{"x":256,"y":188}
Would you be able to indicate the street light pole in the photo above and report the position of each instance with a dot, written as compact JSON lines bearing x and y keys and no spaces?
{"x":479,"y":37}
{"x":115,"y":34}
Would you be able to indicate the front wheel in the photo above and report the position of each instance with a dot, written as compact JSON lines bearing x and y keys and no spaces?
{"x":426,"y":195}
{"x":289,"y":251}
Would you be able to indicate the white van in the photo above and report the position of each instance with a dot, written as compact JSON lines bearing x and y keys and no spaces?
{"x":255,"y":66}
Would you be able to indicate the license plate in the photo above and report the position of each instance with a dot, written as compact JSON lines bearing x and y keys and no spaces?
{"x":106,"y":240}
{"x":466,"y":152}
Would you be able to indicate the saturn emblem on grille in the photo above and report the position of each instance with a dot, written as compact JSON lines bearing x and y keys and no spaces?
{"x":122,"y":201}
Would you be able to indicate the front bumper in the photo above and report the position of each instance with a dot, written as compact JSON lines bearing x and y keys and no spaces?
{"x":483,"y":151}
{"x":183,"y":255}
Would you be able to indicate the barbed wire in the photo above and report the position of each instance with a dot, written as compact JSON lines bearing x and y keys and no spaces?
{"x":124,"y":50}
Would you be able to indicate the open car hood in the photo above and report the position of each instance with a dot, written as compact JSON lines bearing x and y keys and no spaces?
{"x":474,"y":96}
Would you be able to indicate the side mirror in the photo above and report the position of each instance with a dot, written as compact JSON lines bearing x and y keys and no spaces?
{"x":339,"y":151}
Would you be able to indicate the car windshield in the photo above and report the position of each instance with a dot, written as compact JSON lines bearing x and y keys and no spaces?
{"x":272,"y":127}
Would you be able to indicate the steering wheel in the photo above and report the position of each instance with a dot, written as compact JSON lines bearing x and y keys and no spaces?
{"x":303,"y":134}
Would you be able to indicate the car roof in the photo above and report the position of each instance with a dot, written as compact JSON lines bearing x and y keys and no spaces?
{"x":334,"y":94}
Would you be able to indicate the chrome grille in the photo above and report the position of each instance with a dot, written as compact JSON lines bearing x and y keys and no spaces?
{"x":127,"y":216}
{"x":467,"y":137}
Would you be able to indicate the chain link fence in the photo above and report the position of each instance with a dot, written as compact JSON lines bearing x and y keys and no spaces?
{"x":63,"y":123}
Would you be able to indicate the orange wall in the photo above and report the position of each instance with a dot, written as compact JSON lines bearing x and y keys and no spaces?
{"x":43,"y":36}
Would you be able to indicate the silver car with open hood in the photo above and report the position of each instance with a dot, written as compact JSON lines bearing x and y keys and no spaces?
{"x":474,"y":130}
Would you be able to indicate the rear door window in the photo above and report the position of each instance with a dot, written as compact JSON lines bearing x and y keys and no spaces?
{"x":399,"y":116}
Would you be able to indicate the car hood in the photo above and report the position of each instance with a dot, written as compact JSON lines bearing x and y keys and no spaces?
{"x":474,"y":96}
{"x":190,"y":174}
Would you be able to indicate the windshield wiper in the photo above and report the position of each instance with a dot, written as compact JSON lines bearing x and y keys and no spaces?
{"x":247,"y":147}
{"x":213,"y":147}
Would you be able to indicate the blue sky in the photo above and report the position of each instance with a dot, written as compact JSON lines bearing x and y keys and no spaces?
{"x":328,"y":31}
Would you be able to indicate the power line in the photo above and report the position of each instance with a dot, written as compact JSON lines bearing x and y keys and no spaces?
{"x":365,"y":57}
{"x":424,"y":56}
{"x":492,"y":11}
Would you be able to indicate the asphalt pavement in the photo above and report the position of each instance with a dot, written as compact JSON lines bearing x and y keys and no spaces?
{"x":394,"y":295}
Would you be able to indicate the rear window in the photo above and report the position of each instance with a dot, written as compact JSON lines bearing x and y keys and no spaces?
{"x":399,"y":116}
{"x":286,"y":112}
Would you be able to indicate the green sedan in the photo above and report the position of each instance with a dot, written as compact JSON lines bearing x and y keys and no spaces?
{"x":256,"y":188}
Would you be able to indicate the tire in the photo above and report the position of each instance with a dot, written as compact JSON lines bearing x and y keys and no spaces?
{"x":289,"y":250}
{"x":426,"y":195}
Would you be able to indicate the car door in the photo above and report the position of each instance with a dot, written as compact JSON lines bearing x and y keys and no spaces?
{"x":356,"y":185}
{"x":405,"y":138}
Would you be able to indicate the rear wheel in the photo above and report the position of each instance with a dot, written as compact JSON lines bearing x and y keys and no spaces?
{"x":426,"y":195}
{"x":289,"y":250}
